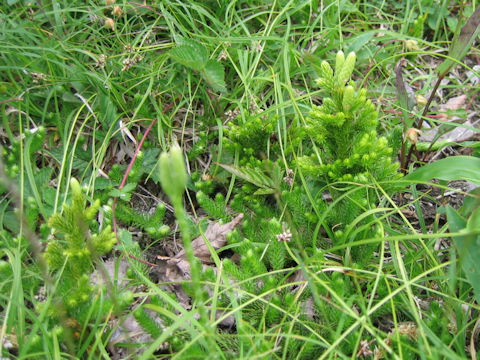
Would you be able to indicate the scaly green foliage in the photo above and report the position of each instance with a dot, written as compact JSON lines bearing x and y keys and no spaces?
{"x":76,"y":245}
{"x":344,"y":129}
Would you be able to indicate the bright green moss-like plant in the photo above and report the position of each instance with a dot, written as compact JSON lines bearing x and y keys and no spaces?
{"x":347,"y":152}
{"x":344,"y":129}
{"x":76,"y":244}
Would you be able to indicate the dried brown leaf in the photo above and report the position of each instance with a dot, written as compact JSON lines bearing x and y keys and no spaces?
{"x":454,"y":103}
{"x":215,"y":234}
{"x":450,"y":132}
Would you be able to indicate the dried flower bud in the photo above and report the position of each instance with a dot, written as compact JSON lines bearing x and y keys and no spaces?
{"x":222,"y":56}
{"x":109,"y":2}
{"x":117,"y":11}
{"x":412,"y":135}
{"x":109,"y":24}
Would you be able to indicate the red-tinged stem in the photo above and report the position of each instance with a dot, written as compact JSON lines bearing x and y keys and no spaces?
{"x":129,"y":168}
{"x":430,"y":116}
{"x":125,"y":177}
{"x":420,"y":122}
{"x":142,"y":261}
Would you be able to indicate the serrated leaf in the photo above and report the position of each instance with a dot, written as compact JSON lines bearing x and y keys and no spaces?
{"x":190,"y":54}
{"x":214,"y":75}
{"x":449,"y":169}
{"x":102,"y":183}
{"x":123,"y":193}
{"x":129,"y":187}
{"x":150,"y":158}
{"x":126,"y":240}
{"x":254,"y":176}
{"x":461,"y":43}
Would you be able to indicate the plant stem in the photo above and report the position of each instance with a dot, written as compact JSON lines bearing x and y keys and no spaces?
{"x":420,"y":121}
{"x":195,"y":268}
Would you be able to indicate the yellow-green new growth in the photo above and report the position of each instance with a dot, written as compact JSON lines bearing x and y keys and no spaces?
{"x":344,"y":130}
{"x":344,"y":68}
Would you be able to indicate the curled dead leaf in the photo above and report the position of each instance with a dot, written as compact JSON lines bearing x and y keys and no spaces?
{"x":215,"y":234}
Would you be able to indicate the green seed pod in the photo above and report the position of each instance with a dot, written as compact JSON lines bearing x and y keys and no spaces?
{"x":173,"y":175}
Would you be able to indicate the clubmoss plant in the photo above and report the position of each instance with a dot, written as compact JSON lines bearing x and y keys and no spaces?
{"x":344,"y":130}
{"x":76,"y":244}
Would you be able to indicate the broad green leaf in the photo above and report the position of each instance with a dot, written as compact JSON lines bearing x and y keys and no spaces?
{"x":253,"y":176}
{"x":471,"y":202}
{"x":473,"y":222}
{"x":101,"y":183}
{"x":456,"y":222}
{"x":468,"y":246}
{"x":190,"y":54}
{"x":214,"y":75}
{"x":449,"y":169}
{"x":461,"y":43}
{"x":10,"y":222}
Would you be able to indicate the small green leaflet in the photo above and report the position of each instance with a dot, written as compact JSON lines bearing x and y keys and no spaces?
{"x":190,"y":54}
{"x":195,"y":56}
{"x":123,"y":193}
{"x":214,"y":75}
